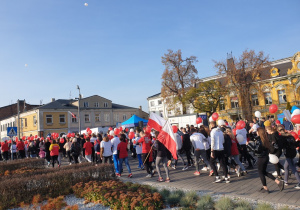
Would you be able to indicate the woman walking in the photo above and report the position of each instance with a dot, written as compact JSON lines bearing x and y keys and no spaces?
{"x":123,"y":154}
{"x":54,"y":152}
{"x":161,"y":157}
{"x":146,"y":152}
{"x":106,"y":150}
{"x":67,"y":147}
{"x":262,"y":150}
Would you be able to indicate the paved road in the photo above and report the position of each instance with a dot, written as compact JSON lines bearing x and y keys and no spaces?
{"x":246,"y":186}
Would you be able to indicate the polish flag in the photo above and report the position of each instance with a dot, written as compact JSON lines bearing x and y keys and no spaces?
{"x":73,"y":115}
{"x":167,"y":138}
{"x":156,"y":121}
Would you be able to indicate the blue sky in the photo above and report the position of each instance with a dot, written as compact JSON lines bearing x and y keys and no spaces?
{"x":113,"y":48}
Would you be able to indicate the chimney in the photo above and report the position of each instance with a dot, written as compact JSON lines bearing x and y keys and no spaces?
{"x":52,"y":99}
{"x":140,"y":107}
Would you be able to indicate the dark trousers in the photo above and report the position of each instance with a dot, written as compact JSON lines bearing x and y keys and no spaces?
{"x":278,"y":166}
{"x":54,"y":159}
{"x":48,"y":157}
{"x":69,"y":156}
{"x":262,"y":164}
{"x":245,"y":154}
{"x":22,"y":154}
{"x":107,"y":159}
{"x":75,"y":158}
{"x":5,"y":155}
{"x":188,"y":156}
{"x":218,"y":154}
{"x":148,"y":165}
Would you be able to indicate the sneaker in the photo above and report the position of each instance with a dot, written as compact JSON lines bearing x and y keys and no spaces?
{"x":297,"y":186}
{"x":281,"y":185}
{"x":286,"y":184}
{"x":197,"y":173}
{"x":262,"y":190}
{"x":160,"y":179}
{"x":130,"y":175}
{"x":238,"y":172}
{"x":118,"y":175}
{"x":211,"y":173}
{"x":190,"y":165}
{"x":174,"y":167}
{"x":204,"y":169}
{"x":227,"y":180}
{"x":153,"y":172}
{"x":167,"y":180}
{"x":143,"y":167}
{"x":149,"y":176}
{"x":218,"y":180}
{"x":185,"y":168}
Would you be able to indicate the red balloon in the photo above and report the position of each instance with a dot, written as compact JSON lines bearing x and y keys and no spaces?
{"x":42,"y":138}
{"x":273,"y":108}
{"x":24,"y":138}
{"x":295,"y":135}
{"x":17,"y":139}
{"x":240,"y":125}
{"x":110,"y":128}
{"x":131,"y":135}
{"x":126,"y":129}
{"x":26,"y":142}
{"x":62,"y":140}
{"x":88,"y":129}
{"x":175,"y":129}
{"x":73,"y":135}
{"x":90,"y":132}
{"x":215,"y":116}
{"x":277,"y":122}
{"x":296,"y":119}
{"x":35,"y":136}
{"x":116,"y":131}
{"x":198,"y":120}
{"x":9,"y":141}
{"x":234,"y":131}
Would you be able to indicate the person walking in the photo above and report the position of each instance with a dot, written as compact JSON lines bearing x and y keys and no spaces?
{"x":47,"y":147}
{"x":32,"y":150}
{"x":138,"y":149}
{"x":178,"y":149}
{"x":123,"y":154}
{"x":21,"y":149}
{"x":88,"y":146}
{"x":262,"y":151}
{"x":75,"y":150}
{"x":67,"y":147}
{"x":244,"y":151}
{"x":115,"y":142}
{"x":54,"y":152}
{"x":186,"y":146}
{"x":161,"y":158}
{"x":106,"y":150}
{"x":42,"y":152}
{"x":4,"y":150}
{"x":146,"y":142}
{"x":13,"y":150}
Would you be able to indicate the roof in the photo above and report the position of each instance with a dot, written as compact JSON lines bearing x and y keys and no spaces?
{"x":60,"y":104}
{"x":156,"y":95}
{"x":95,"y":96}
{"x":118,"y":106}
{"x":12,"y":110}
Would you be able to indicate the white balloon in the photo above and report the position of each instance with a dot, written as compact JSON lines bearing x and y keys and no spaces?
{"x":210,"y":119}
{"x":240,"y":138}
{"x":273,"y":159}
{"x":111,"y":133}
{"x":26,"y":65}
{"x":221,"y":122}
{"x":296,"y":112}
{"x":86,"y":4}
{"x":257,"y":114}
{"x":131,"y":130}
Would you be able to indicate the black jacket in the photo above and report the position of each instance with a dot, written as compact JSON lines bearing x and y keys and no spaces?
{"x":227,"y":145}
{"x":186,"y":142}
{"x":276,"y":143}
{"x":290,"y":145}
{"x":260,"y":150}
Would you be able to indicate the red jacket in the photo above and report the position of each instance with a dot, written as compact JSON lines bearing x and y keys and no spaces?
{"x":54,"y":149}
{"x":4,"y":147}
{"x":234,"y":148}
{"x":20,"y":145}
{"x":146,"y":143}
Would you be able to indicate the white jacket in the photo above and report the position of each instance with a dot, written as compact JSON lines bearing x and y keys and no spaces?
{"x":217,"y":139}
{"x":197,"y":140}
{"x":178,"y":141}
{"x":242,"y":132}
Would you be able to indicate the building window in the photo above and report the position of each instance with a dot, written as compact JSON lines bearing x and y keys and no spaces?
{"x":234,"y":102}
{"x":106,"y":117}
{"x":96,"y":104}
{"x":159,"y":102}
{"x":152,"y":103}
{"x":62,"y":118}
{"x":117,"y":117}
{"x":105,"y":104}
{"x":25,"y":122}
{"x":124,"y":117}
{"x":86,"y":118}
{"x":161,"y":113}
{"x":74,"y":119}
{"x":169,"y":112}
{"x":268,"y":98}
{"x":86,"y":104}
{"x":97,"y":118}
{"x":34,"y":121}
{"x":281,"y":96}
{"x":222,"y":105}
{"x":49,"y":119}
{"x":254,"y":99}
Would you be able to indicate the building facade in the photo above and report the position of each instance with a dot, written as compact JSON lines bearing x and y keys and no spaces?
{"x":278,"y":85}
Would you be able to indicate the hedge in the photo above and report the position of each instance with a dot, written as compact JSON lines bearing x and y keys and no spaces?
{"x":17,"y":164}
{"x":17,"y":190}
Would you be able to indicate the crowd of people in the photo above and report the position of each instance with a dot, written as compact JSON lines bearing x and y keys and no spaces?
{"x":214,"y":147}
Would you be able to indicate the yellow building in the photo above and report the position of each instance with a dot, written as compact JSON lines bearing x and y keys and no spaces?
{"x":280,"y":87}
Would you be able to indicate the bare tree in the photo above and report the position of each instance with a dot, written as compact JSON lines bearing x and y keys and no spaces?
{"x":178,"y":77}
{"x":241,"y":73}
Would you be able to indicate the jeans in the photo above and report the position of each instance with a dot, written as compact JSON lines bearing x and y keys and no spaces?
{"x":164,"y":161}
{"x":197,"y":158}
{"x":88,"y":158}
{"x":140,"y":160}
{"x":262,"y":164}
{"x":126,"y":163}
{"x":116,"y":163}
{"x":237,"y":161}
{"x":289,"y":163}
{"x":32,"y":155}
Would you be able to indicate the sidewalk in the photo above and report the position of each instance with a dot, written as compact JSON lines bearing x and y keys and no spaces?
{"x":245,"y":187}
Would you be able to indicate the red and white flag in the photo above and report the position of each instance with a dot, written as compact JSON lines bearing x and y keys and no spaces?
{"x":167,"y":138}
{"x":73,"y":115}
{"x":156,"y":121}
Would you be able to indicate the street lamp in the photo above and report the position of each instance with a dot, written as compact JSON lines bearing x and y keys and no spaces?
{"x":79,"y":109}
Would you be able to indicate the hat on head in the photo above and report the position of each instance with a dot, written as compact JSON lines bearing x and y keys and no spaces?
{"x":267,"y":123}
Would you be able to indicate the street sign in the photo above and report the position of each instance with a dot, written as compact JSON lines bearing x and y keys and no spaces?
{"x":12,"y":131}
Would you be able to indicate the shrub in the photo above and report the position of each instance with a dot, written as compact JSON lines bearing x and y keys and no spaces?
{"x":242,"y":205}
{"x":174,"y":198}
{"x":189,"y":199}
{"x":284,"y":208}
{"x":224,"y":204}
{"x":54,"y":204}
{"x":205,"y":202}
{"x":17,"y":164}
{"x":74,"y":207}
{"x":264,"y":206}
{"x":165,"y":193}
{"x":53,"y":184}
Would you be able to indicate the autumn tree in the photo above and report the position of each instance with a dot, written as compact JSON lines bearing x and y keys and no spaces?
{"x":206,"y":97}
{"x":242,"y":73}
{"x":179,"y":75}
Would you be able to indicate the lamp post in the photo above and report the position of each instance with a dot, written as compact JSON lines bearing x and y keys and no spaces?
{"x":79,"y":125}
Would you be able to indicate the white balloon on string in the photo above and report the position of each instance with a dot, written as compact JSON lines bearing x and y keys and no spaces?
{"x":86,"y":4}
